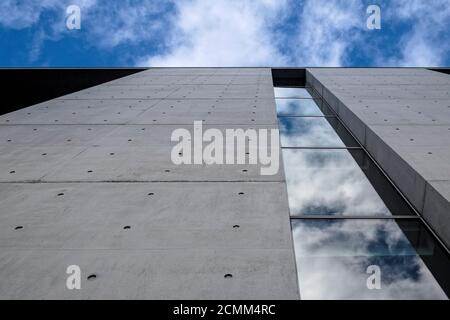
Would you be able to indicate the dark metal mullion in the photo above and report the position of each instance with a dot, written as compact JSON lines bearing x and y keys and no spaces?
{"x":324,"y":148}
{"x":358,"y":217}
{"x":299,"y":98}
{"x":297,"y":116}
{"x":292,"y":86}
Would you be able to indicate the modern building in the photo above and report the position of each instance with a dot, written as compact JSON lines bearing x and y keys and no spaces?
{"x":359,"y":208}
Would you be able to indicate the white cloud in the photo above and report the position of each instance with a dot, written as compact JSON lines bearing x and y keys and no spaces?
{"x":326,"y":30}
{"x":222,"y":33}
{"x":19,"y":15}
{"x":27,"y":14}
{"x":243,"y":33}
{"x":113,"y":23}
{"x":335,"y":170}
{"x":231,"y":33}
{"x":24,"y":14}
{"x":426,"y":44}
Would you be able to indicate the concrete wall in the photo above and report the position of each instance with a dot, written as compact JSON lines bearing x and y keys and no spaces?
{"x":402,"y":117}
{"x":76,"y":170}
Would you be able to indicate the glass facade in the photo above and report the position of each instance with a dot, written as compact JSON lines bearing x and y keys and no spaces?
{"x":293,"y":93}
{"x":300,"y":107}
{"x":329,"y":182}
{"x":355,"y":236}
{"x":334,"y":256}
{"x":310,"y":132}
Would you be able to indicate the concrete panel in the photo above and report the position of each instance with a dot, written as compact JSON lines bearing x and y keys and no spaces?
{"x":33,"y":163}
{"x":436,"y":206}
{"x":160,"y":216}
{"x":151,"y":274}
{"x":54,"y":135}
{"x":405,"y":111}
{"x":398,"y":169}
{"x":422,"y":136}
{"x":148,"y":164}
{"x":355,"y":125}
{"x":212,"y":111}
{"x":129,"y":92}
{"x":201,"y":105}
{"x":222,"y":91}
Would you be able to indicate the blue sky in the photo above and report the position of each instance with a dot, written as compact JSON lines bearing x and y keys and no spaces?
{"x":127,"y":33}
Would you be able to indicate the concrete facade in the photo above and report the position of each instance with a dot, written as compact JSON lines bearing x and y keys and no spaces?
{"x":86,"y":179}
{"x":402,"y":117}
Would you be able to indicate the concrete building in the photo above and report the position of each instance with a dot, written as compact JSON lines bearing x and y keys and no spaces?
{"x":358,"y":209}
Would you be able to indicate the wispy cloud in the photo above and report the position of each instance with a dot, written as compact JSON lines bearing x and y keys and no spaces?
{"x":112,"y":23}
{"x":326,"y":30}
{"x":22,"y":14}
{"x":239,"y":32}
{"x":426,"y":41}
{"x":222,"y":33}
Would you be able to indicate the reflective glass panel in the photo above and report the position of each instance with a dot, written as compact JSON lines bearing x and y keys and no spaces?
{"x":313,"y":132}
{"x":292,"y":93}
{"x":298,"y":107}
{"x":330,"y":182}
{"x":368,"y":259}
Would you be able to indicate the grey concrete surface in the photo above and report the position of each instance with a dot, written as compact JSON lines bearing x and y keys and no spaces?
{"x":76,"y":170}
{"x":402,"y":117}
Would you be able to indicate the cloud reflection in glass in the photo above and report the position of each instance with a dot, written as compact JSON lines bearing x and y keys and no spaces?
{"x":292,"y":93}
{"x":308,"y":132}
{"x":297,"y":107}
{"x":329,"y":182}
{"x":333,"y":255}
